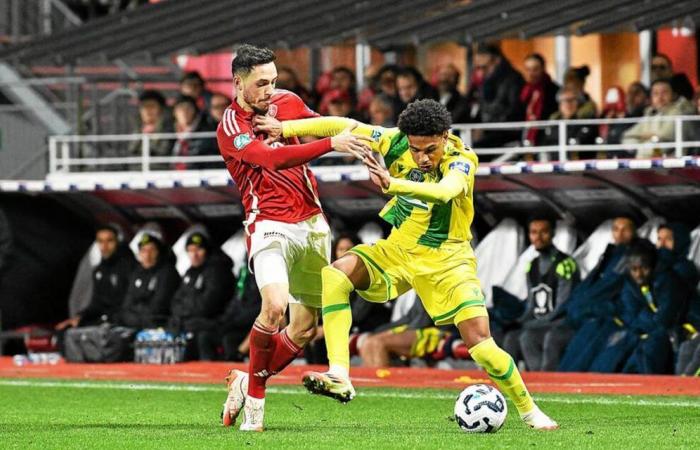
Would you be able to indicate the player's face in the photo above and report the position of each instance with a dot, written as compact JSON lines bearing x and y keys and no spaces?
{"x":106,"y":242}
{"x":196,"y":254}
{"x":257,"y":87}
{"x":664,"y":239}
{"x":639,"y":272}
{"x":148,"y":255}
{"x":622,"y":231}
{"x":427,"y":151}
{"x":540,"y":233}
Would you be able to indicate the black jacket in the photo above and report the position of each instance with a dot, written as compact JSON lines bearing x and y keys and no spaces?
{"x":110,"y":280}
{"x":244,"y":306}
{"x":500,"y":95}
{"x":202,"y":296}
{"x":148,"y":299}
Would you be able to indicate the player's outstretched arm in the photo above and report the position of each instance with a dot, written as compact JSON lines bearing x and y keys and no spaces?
{"x":452,"y":184}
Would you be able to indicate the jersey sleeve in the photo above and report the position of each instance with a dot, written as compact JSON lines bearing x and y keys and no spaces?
{"x":331,"y":126}
{"x":448,"y":188}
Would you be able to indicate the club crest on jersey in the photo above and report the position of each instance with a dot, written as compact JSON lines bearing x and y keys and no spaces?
{"x":415,"y":175}
{"x":460,"y":165}
{"x":272,"y":111}
{"x":376,"y":134}
{"x":241,"y":141}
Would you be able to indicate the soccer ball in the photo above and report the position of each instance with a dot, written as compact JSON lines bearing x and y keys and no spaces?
{"x":480,"y":409}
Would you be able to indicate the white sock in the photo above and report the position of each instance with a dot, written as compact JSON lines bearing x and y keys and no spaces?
{"x":342,"y":371}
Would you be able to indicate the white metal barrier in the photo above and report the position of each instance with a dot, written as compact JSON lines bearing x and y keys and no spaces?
{"x":98,"y":153}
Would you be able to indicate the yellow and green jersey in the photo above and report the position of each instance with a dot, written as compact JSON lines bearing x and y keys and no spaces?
{"x":427,"y":208}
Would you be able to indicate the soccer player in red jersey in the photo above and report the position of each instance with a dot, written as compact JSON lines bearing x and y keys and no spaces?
{"x":288,"y":237}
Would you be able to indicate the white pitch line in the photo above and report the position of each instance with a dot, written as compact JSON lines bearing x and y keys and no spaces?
{"x":126,"y":386}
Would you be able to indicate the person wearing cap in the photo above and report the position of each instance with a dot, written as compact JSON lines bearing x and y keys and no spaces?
{"x":151,"y":286}
{"x":109,"y":279}
{"x":202,"y":296}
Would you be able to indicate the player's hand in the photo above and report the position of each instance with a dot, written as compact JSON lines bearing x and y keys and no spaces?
{"x":268,"y":125}
{"x":378,"y":174}
{"x":68,"y":323}
{"x":352,"y":144}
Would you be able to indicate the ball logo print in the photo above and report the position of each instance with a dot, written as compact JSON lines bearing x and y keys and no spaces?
{"x":241,"y":141}
{"x":480,"y":409}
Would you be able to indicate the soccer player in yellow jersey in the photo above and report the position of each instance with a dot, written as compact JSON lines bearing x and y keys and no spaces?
{"x":430,"y":174}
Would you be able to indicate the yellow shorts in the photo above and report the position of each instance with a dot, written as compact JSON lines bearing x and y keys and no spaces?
{"x":444,"y":278}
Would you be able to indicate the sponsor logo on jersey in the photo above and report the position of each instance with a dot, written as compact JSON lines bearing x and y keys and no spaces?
{"x":415,"y":175}
{"x":460,"y":165}
{"x":376,"y":134}
{"x":241,"y":141}
{"x":273,"y":234}
{"x":272,"y":111}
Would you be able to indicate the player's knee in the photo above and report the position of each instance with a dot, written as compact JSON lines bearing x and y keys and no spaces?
{"x":373,"y":345}
{"x":272,"y":313}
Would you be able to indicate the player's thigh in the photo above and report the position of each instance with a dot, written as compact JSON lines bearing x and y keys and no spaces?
{"x":271,"y":277}
{"x":386,"y":268}
{"x":310,"y":248}
{"x":449,"y":289}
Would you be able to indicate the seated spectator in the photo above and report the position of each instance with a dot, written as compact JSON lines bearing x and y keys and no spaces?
{"x":689,"y":351}
{"x":371,"y":89}
{"x":635,"y":101}
{"x":664,"y":102}
{"x":238,"y":318}
{"x":652,"y":308}
{"x":381,"y":111}
{"x":340,"y":104}
{"x":570,"y":108}
{"x":288,"y":79}
{"x":411,"y":86}
{"x":499,"y":95}
{"x":153,"y":118}
{"x":449,"y":96}
{"x":110,"y":280}
{"x":551,"y":277}
{"x":341,"y":79}
{"x":662,"y":68}
{"x":538,"y":95}
{"x":673,"y":242}
{"x":201,"y":298}
{"x":192,"y":85}
{"x":219,"y":103}
{"x":188,"y":119}
{"x":594,"y":303}
{"x":575,"y":79}
{"x":151,"y":286}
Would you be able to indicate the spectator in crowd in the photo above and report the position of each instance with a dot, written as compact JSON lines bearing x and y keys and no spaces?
{"x":664,"y":102}
{"x":673,"y":242}
{"x":381,"y":111}
{"x":192,"y":85}
{"x":449,"y":96}
{"x":110,"y":280}
{"x":662,"y":68}
{"x":635,"y":101}
{"x":689,"y":351}
{"x":201,"y":298}
{"x":341,"y":80}
{"x":594,"y":304}
{"x":551,"y":277}
{"x":570,"y":108}
{"x":411,"y":86}
{"x":340,"y":104}
{"x":188,"y":119}
{"x":219,"y":103}
{"x":151,"y":286}
{"x":154,"y":118}
{"x":364,"y":97}
{"x":652,"y":305}
{"x":499,"y":95}
{"x":575,"y":79}
{"x":538,"y":95}
{"x":238,"y":317}
{"x":288,"y":79}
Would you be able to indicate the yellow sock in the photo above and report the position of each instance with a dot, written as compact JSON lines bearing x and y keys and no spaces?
{"x":502,"y":371}
{"x":337,"y":317}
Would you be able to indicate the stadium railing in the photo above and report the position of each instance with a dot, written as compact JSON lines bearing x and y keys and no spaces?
{"x":118,"y":152}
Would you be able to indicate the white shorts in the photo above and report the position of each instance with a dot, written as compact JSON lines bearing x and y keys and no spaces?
{"x":306,"y":249}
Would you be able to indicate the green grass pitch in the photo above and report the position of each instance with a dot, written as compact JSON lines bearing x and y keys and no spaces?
{"x":46,"y":414}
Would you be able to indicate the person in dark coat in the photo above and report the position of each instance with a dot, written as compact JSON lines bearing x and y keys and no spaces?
{"x":538,"y":95}
{"x":190,"y":119}
{"x":110,"y":280}
{"x":551,"y":276}
{"x":499,"y":96}
{"x":449,"y":96}
{"x":593,"y":308}
{"x":202,"y":296}
{"x":151,"y":287}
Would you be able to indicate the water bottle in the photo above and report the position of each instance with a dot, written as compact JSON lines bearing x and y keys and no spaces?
{"x":20,"y":360}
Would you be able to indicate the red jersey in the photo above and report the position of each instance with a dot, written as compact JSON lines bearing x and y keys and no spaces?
{"x":274,"y":181}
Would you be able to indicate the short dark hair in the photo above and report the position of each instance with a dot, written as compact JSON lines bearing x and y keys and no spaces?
{"x":664,"y":56}
{"x":410,"y":71}
{"x":186,"y":99}
{"x":543,"y":218}
{"x":488,"y":48}
{"x":192,"y":76}
{"x":662,"y":81}
{"x":644,"y":251}
{"x":537,"y":57}
{"x":152,"y":94}
{"x":424,"y":118}
{"x":641,"y":86}
{"x":249,"y":56}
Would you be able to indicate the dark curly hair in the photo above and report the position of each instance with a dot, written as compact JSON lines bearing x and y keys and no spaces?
{"x":249,"y":56}
{"x":424,"y":118}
